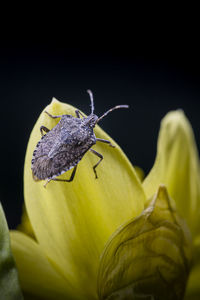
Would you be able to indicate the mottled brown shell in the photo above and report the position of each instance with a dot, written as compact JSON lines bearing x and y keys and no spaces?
{"x":63,"y":147}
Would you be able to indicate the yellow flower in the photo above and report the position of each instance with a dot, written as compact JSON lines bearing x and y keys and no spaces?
{"x":73,"y":221}
{"x":66,"y":256}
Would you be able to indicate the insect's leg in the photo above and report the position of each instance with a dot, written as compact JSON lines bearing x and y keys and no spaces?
{"x":79,"y":114}
{"x":43,"y":128}
{"x":105,"y":141}
{"x":101,"y":158}
{"x":53,"y":117}
{"x":47,"y":182}
{"x":67,"y":180}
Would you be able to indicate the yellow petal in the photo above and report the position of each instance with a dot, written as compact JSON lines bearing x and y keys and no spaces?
{"x":72,"y":221}
{"x":149,"y":257}
{"x":193,"y":287}
{"x":37,"y":275}
{"x":25,"y":225}
{"x":177,"y":166}
{"x":140,"y":173}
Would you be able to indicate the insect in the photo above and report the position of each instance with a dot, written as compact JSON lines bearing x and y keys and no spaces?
{"x":62,"y":147}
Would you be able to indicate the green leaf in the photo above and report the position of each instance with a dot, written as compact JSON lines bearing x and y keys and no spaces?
{"x":9,"y":283}
{"x":149,"y":257}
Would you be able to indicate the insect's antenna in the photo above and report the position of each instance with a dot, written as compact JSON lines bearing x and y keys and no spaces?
{"x":111,"y":109}
{"x":92,"y":100}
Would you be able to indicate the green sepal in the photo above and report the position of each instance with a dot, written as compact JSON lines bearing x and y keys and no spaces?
{"x":9,"y":282}
{"x":149,"y":257}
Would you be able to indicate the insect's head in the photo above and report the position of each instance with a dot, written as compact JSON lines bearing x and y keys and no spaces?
{"x":92,"y":118}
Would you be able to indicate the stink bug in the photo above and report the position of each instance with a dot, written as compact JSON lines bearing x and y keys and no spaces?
{"x":62,"y":147}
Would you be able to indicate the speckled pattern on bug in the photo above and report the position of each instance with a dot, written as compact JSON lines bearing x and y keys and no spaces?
{"x":62,"y":147}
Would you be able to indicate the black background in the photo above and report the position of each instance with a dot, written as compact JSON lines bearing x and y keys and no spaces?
{"x":153,"y":72}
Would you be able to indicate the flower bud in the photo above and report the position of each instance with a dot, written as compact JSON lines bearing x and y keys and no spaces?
{"x":148,"y":257}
